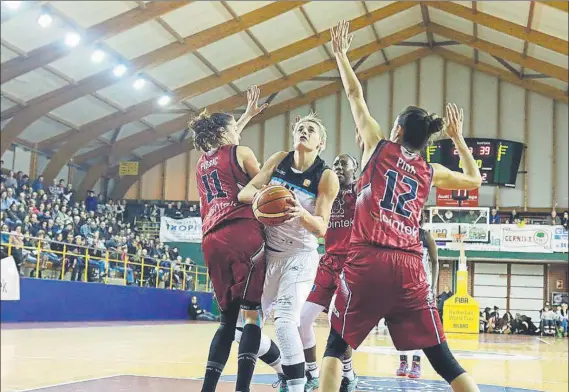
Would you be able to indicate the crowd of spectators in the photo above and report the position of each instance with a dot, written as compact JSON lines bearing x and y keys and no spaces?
{"x":552,"y":219}
{"x":35,"y":216}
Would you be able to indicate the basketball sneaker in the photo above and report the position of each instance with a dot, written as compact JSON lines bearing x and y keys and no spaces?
{"x":403,"y":369}
{"x":415,"y":370}
{"x":349,"y":386}
{"x":281,"y":383}
{"x":312,"y":383}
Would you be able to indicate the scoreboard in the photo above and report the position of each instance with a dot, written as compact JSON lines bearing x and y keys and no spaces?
{"x":498,"y":160}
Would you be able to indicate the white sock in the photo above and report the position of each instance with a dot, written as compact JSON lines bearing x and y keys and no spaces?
{"x":417,"y":353}
{"x":347,"y":369}
{"x":312,"y":369}
{"x":296,"y":385}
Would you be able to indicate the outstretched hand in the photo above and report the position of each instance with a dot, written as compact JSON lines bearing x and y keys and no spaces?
{"x":341,"y":41}
{"x":253,"y":94}
{"x":454,"y":119}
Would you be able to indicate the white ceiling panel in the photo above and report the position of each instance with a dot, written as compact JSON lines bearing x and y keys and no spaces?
{"x":202,"y":14}
{"x":7,"y":54}
{"x":325,"y":14}
{"x":203,"y":100}
{"x":334,"y":72}
{"x":284,"y":95}
{"x":124,"y":94}
{"x":296,"y":29}
{"x":84,"y":110}
{"x":513,"y":11}
{"x":398,"y":51}
{"x":140,"y":40}
{"x":550,"y":21}
{"x":42,"y":129}
{"x":397,"y":22}
{"x":25,"y":33}
{"x":547,"y":55}
{"x":78,"y":64}
{"x":310,"y":85}
{"x":375,"y":5}
{"x":89,"y":13}
{"x":304,"y":60}
{"x":160,"y":118}
{"x":260,"y":77}
{"x":180,"y":71}
{"x":450,"y":21}
{"x":91,"y":147}
{"x":497,"y":38}
{"x":486,"y":58}
{"x":141,"y":151}
{"x":130,"y":129}
{"x":460,"y":49}
{"x":243,"y":7}
{"x":6,"y":104}
{"x":33,"y":84}
{"x":554,"y":83}
{"x":373,"y":60}
{"x":230,"y":51}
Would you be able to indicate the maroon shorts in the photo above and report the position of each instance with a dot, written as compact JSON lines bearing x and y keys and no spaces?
{"x":380,"y":283}
{"x":235,"y":257}
{"x":326,"y":280}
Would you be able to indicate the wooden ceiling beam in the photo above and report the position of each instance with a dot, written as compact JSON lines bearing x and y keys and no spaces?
{"x":528,"y":29}
{"x":268,"y":89}
{"x":43,"y":104}
{"x":559,"y":5}
{"x":54,"y":51}
{"x":427,"y":21}
{"x":103,"y":125}
{"x":541,"y":66}
{"x":513,"y":29}
{"x":166,"y":153}
{"x":531,"y":85}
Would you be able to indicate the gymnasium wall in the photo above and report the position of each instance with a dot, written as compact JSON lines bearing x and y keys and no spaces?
{"x":44,"y":300}
{"x":493,"y":109}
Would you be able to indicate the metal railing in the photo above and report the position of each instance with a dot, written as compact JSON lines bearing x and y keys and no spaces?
{"x":77,"y":261}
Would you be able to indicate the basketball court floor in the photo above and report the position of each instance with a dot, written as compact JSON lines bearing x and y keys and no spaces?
{"x":110,"y":357}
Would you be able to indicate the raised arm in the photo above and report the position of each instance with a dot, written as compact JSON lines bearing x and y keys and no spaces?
{"x":434,"y":258}
{"x":444,"y":178}
{"x":248,"y":161}
{"x":247,"y":194}
{"x":253,"y":109}
{"x":317,"y":224}
{"x":369,"y":129}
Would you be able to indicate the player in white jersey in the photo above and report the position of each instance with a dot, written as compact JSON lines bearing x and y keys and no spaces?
{"x":291,"y":248}
{"x":431,"y":266}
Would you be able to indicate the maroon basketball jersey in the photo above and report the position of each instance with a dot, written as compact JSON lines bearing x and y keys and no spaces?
{"x":392,"y":190}
{"x":337,"y":239}
{"x":220,"y":178}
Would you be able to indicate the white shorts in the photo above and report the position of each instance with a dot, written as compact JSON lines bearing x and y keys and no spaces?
{"x":288,"y":281}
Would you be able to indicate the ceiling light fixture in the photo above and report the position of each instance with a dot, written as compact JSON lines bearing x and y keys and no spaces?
{"x":119,"y":70}
{"x":98,"y":56}
{"x":45,"y":20}
{"x":164,"y":100}
{"x":14,"y":5}
{"x":72,"y":39}
{"x":139,"y":83}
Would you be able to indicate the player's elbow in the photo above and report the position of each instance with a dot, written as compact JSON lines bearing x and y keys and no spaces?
{"x":474,"y":183}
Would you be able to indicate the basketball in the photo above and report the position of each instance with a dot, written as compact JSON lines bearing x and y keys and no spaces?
{"x":270,"y":205}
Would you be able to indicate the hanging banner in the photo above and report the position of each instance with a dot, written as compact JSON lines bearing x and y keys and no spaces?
{"x":559,"y":240}
{"x":128,"y":169}
{"x":10,"y":280}
{"x":536,"y":239}
{"x":180,"y":230}
{"x":445,"y":198}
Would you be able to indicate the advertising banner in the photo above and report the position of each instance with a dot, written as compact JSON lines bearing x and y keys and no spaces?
{"x":536,"y":239}
{"x":559,"y":239}
{"x":10,"y":280}
{"x":180,"y":230}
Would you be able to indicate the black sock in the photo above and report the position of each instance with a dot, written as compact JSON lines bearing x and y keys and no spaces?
{"x":416,"y":358}
{"x":272,"y":356}
{"x":248,"y":349}
{"x":403,"y":358}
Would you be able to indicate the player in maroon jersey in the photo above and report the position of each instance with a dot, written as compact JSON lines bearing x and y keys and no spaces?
{"x":383,"y":276}
{"x":233,"y":242}
{"x":337,"y":242}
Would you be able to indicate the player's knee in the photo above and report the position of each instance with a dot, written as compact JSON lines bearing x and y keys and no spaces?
{"x":336,"y":346}
{"x":444,"y":362}
{"x":251,"y":317}
{"x":307,"y":335}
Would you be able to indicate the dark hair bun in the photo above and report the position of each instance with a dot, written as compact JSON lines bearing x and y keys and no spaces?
{"x":435,"y":124}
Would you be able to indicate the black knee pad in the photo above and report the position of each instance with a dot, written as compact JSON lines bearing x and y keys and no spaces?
{"x":294,"y":372}
{"x":443,"y":362}
{"x":336,"y":346}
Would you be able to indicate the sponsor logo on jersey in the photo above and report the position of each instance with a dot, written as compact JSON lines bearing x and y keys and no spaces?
{"x":206,"y":164}
{"x":307,"y":183}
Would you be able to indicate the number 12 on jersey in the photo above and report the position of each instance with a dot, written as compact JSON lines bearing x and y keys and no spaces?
{"x":396,"y":202}
{"x":219,"y":192}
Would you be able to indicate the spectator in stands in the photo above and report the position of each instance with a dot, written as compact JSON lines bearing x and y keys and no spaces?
{"x":91,"y":201}
{"x":170,"y":212}
{"x":436,"y":217}
{"x":513,"y":218}
{"x":494,"y":217}
{"x":195,"y":312}
{"x":441,"y":298}
{"x":553,"y":219}
{"x":563,"y":314}
{"x":565,"y":220}
{"x":10,"y":181}
{"x":54,"y":190}
{"x":180,"y":211}
{"x":548,"y":321}
{"x":193,"y":212}
{"x":38,"y":184}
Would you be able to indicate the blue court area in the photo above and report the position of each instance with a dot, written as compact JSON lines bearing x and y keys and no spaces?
{"x":388,"y":384}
